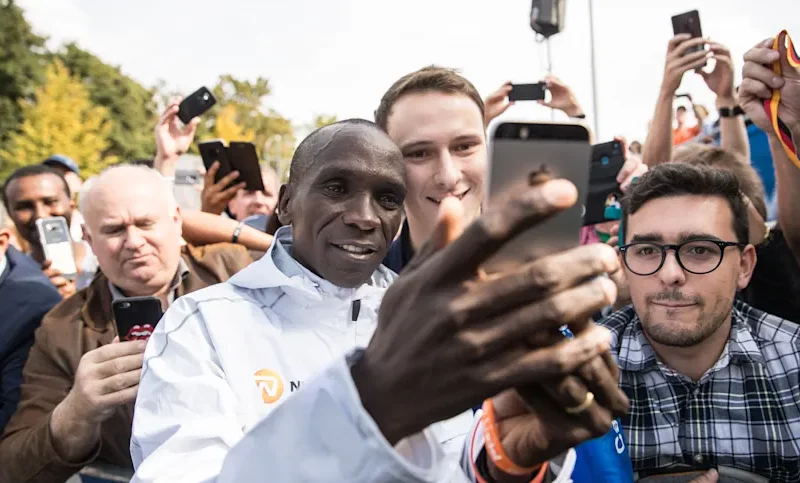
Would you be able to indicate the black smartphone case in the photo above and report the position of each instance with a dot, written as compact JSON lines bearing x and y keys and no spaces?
{"x":196,"y":104}
{"x":136,"y":317}
{"x":212,"y":151}
{"x":244,"y":159}
{"x":607,"y":161}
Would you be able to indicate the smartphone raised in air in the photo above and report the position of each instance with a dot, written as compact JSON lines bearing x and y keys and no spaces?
{"x":243,"y":158}
{"x":56,"y":242}
{"x":196,"y":104}
{"x":136,"y":317}
{"x":688,"y":23}
{"x":528,"y":92}
{"x":518,"y":149}
{"x":604,"y":191}
{"x":215,"y":151}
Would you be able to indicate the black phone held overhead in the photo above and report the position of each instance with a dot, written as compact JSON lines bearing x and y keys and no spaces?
{"x":528,"y":92}
{"x":688,"y":23}
{"x":196,"y":104}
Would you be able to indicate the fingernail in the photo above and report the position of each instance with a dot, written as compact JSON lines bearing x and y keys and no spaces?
{"x":559,"y":192}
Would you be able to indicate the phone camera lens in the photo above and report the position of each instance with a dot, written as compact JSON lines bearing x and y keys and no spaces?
{"x":125,"y":305}
{"x":205,"y":97}
{"x":523,"y":133}
{"x":604,"y":161}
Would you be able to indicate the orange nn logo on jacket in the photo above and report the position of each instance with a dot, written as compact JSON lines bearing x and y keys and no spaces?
{"x":270,"y":384}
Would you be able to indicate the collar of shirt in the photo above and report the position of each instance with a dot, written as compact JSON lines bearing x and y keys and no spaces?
{"x":180,"y":275}
{"x":3,"y":265}
{"x":637,"y":355}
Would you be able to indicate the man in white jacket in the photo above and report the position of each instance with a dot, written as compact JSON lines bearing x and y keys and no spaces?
{"x":220,"y":397}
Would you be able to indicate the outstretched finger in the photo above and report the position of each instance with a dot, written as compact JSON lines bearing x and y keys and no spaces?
{"x":210,"y":175}
{"x":512,"y":212}
{"x":449,"y":226}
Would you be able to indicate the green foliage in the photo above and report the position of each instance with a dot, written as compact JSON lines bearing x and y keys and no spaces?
{"x":131,"y":107}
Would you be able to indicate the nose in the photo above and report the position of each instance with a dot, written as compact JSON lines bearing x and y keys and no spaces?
{"x":134,"y":240}
{"x":671,"y":272}
{"x":447,"y":173}
{"x":260,"y":199}
{"x":41,"y":211}
{"x":360,"y":212}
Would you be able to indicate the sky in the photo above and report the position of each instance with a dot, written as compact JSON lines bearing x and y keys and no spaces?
{"x":338,"y":57}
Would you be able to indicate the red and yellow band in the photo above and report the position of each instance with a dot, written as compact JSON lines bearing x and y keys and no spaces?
{"x":783,"y":44}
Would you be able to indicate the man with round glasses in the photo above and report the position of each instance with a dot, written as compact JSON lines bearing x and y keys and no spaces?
{"x":713,"y":382}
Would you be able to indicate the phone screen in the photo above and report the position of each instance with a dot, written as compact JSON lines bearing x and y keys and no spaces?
{"x":604,"y":191}
{"x":518,"y":149}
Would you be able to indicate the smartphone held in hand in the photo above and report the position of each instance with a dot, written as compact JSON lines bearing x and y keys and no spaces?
{"x":136,"y":317}
{"x":56,"y":242}
{"x":196,"y":104}
{"x":520,"y":149}
{"x":604,"y":191}
{"x":215,"y":151}
{"x":244,"y":159}
{"x":528,"y":92}
{"x":688,"y":23}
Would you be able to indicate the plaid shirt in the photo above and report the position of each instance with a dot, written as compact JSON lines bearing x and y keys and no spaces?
{"x":744,"y":412}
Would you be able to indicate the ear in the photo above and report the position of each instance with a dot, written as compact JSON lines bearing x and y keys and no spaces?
{"x":284,"y":200}
{"x":5,"y":240}
{"x":87,"y":236}
{"x":746,"y":266}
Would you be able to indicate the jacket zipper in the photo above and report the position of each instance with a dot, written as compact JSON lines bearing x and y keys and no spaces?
{"x":355,"y":309}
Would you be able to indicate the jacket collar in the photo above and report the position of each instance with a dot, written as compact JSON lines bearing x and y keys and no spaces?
{"x":279,"y":269}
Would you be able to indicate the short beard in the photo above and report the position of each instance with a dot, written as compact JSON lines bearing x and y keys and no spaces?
{"x":708,"y":322}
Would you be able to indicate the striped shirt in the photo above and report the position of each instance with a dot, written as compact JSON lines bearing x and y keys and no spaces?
{"x":743,"y":413}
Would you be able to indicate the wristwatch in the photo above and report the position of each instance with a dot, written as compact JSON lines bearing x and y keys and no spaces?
{"x":731,"y":111}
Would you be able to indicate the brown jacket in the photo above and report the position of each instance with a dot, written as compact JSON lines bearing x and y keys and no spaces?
{"x":74,"y":327}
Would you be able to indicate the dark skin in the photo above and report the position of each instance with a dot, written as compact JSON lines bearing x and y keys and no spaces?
{"x":347,"y":204}
{"x":41,"y":196}
{"x":486,"y":335}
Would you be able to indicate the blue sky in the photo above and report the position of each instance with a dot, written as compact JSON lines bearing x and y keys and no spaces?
{"x":339,"y":56}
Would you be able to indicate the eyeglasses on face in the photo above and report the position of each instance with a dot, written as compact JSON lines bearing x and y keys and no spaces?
{"x":695,"y":256}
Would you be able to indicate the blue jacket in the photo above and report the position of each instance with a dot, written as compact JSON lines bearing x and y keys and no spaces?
{"x":26,"y":295}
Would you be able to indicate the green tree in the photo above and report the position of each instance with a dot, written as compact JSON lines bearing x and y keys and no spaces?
{"x":62,"y":120}
{"x":131,"y":107}
{"x":22,"y":66}
{"x":244,"y":104}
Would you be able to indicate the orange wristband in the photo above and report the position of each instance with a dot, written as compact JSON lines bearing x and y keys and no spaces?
{"x":495,"y":451}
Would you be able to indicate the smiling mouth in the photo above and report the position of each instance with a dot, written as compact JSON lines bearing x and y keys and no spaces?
{"x":355,"y":251}
{"x":458,"y":197}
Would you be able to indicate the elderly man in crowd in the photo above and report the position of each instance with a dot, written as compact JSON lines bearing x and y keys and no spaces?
{"x":79,"y":381}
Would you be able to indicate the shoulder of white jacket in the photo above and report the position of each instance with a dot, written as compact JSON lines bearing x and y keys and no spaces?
{"x":384,"y":276}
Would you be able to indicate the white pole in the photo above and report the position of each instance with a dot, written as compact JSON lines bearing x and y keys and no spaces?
{"x":595,"y":111}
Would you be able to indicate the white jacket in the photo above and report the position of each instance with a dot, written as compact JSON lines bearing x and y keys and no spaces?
{"x":219,"y":397}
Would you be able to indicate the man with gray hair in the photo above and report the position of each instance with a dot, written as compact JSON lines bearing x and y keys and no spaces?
{"x":80,"y":381}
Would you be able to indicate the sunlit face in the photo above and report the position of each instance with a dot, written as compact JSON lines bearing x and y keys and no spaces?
{"x":680,"y":115}
{"x":33,"y":197}
{"x":676,"y":307}
{"x":135,"y":232}
{"x":443,"y":142}
{"x":347,"y":207}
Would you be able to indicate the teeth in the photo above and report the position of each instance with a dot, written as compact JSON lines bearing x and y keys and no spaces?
{"x":354,"y":249}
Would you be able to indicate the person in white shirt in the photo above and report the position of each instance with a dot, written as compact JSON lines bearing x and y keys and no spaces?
{"x":262,"y":379}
